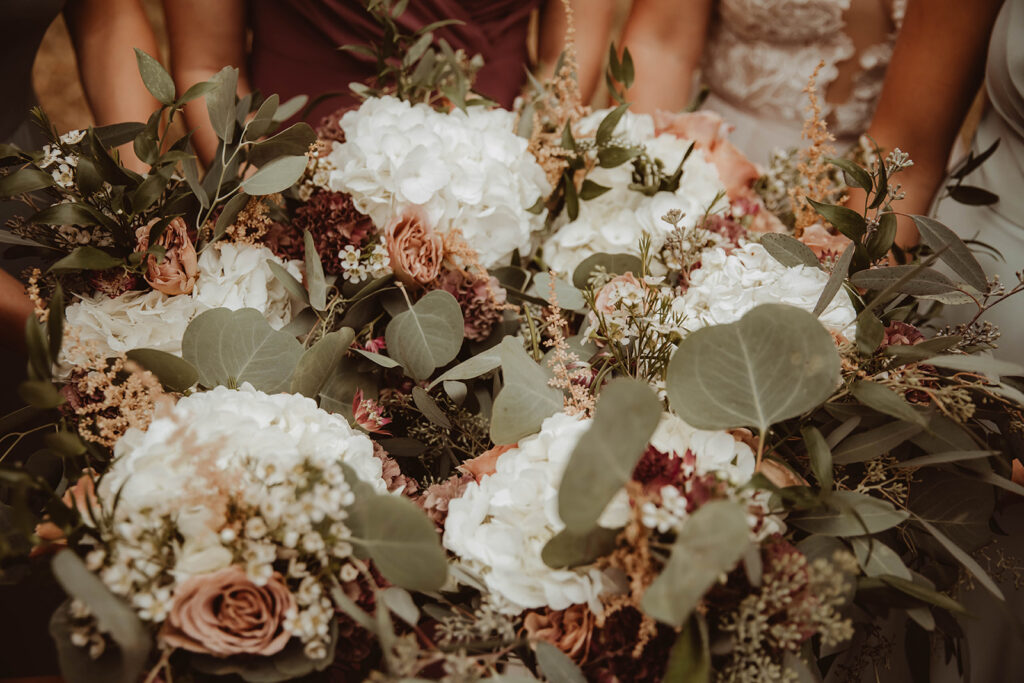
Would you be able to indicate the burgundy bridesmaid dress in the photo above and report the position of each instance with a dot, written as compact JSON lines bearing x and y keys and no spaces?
{"x":295,"y":44}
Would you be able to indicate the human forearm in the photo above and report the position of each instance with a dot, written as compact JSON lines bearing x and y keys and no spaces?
{"x":592,"y":20}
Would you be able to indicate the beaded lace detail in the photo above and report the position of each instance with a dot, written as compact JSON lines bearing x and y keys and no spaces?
{"x":761,"y":53}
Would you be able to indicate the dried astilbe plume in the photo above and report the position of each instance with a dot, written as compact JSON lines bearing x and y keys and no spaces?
{"x":108,"y":395}
{"x":813,"y":168}
{"x":570,"y":375}
{"x":253,"y":220}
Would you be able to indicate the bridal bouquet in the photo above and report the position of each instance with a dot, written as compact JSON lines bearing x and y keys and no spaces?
{"x":446,"y":392}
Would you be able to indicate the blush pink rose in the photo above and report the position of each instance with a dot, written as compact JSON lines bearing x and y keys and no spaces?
{"x":177,"y":272}
{"x":416,"y":251}
{"x":224,"y":614}
{"x":710,"y":134}
{"x":822,"y":242}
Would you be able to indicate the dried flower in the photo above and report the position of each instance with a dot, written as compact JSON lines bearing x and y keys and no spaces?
{"x":368,"y":414}
{"x":416,"y":251}
{"x":177,"y":271}
{"x":482,"y":299}
{"x":334,"y":223}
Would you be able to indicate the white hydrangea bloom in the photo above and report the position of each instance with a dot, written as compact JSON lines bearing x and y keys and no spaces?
{"x":499,"y":526}
{"x":617,"y":220}
{"x":230,"y":275}
{"x":716,"y":452}
{"x":465,"y":170}
{"x":222,"y":443}
{"x":728,"y":285}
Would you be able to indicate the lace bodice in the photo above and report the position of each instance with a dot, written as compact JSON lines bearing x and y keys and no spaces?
{"x":761,"y":53}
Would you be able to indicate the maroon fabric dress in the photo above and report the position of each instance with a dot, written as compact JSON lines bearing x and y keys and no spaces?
{"x":295,"y":44}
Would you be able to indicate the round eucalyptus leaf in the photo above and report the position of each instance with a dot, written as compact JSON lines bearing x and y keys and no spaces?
{"x":526,"y":399}
{"x":321,"y":362}
{"x":277,"y":176}
{"x":231,"y":347}
{"x":775,"y":363}
{"x":614,"y":264}
{"x":426,"y":336}
{"x":176,"y":374}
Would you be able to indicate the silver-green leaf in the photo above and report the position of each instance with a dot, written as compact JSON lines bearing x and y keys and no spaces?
{"x":426,"y":336}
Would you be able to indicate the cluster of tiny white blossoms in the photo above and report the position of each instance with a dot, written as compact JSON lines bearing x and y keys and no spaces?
{"x":258,"y":482}
{"x":729,"y":284}
{"x":618,"y":220}
{"x":230,"y":276}
{"x":463,"y":170}
{"x":364,"y":263}
{"x":64,"y":164}
{"x":499,"y":526}
{"x":716,"y":453}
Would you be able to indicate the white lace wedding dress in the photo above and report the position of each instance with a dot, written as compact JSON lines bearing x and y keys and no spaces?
{"x":760,"y":54}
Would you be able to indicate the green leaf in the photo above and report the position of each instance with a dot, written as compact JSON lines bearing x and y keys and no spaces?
{"x":878,"y":559}
{"x":848,"y":513}
{"x":220,"y":103}
{"x":870,"y":332}
{"x":591,"y":190}
{"x":610,"y":157}
{"x":855,"y":175}
{"x":969,"y":563}
{"x":568,"y":549}
{"x":882,"y":238}
{"x":428,"y":406}
{"x":917,"y":280}
{"x":231,"y":347}
{"x":835,"y":280}
{"x":606,"y":128}
{"x":525,"y":400}
{"x":945,"y":457}
{"x":993,"y":368}
{"x":952,"y":251}
{"x":175,"y":374}
{"x":690,"y":658}
{"x":117,"y":134}
{"x":292,"y":141}
{"x":788,"y":250}
{"x":569,"y":298}
{"x":613,"y":264}
{"x":276,"y":176}
{"x":820,"y":455}
{"x":864,"y":446}
{"x":86,"y":258}
{"x":315,"y":275}
{"x":67,"y":214}
{"x":958,"y":506}
{"x":400,"y":539}
{"x":572,"y":202}
{"x":470,"y":368}
{"x":775,"y":363}
{"x":710,"y":544}
{"x":320,"y":363}
{"x":923,"y":593}
{"x":972,"y":196}
{"x":40,"y":394}
{"x":293,"y":286}
{"x":378,"y":358}
{"x":24,"y":180}
{"x":55,"y":324}
{"x":555,"y":665}
{"x":426,"y":336}
{"x":290,"y":108}
{"x":229,"y":214}
{"x":262,"y":122}
{"x":67,"y":444}
{"x":846,"y":221}
{"x":568,"y":143}
{"x":626,"y":415}
{"x":886,"y":401}
{"x":113,"y":616}
{"x":155,"y":77}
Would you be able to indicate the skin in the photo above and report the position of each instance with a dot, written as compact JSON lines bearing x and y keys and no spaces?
{"x":103,"y":33}
{"x":205,"y":37}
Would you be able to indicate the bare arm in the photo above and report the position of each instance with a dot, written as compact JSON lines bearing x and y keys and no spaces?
{"x":104,"y":33}
{"x":593,"y":22}
{"x":936,"y":69}
{"x":666,"y":39}
{"x":205,"y":36}
{"x":15,"y":308}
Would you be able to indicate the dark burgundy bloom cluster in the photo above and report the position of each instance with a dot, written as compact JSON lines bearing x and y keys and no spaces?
{"x":613,"y":655}
{"x":332,"y":220}
{"x":480,"y":297}
{"x":902,"y":334}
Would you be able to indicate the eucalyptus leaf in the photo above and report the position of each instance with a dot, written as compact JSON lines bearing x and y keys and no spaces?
{"x":878,"y":559}
{"x":24,"y":180}
{"x":848,"y":513}
{"x":690,"y":658}
{"x":864,"y":446}
{"x":231,"y":347}
{"x":923,"y":593}
{"x":946,"y":457}
{"x":820,"y":455}
{"x":67,"y":214}
{"x":710,"y":544}
{"x":835,"y":280}
{"x":884,"y":400}
{"x":175,"y":374}
{"x":113,"y":616}
{"x":40,"y":394}
{"x":846,"y":221}
{"x":277,"y":176}
{"x":568,"y":549}
{"x":606,"y":128}
{"x":870,"y":332}
{"x":626,"y":416}
{"x":228,"y":214}
{"x":289,"y":281}
{"x":426,"y":336}
{"x":969,"y":563}
{"x":378,"y":358}
{"x":613,"y":264}
{"x":959,"y":507}
{"x":788,"y":250}
{"x":556,"y":665}
{"x":314,"y":274}
{"x":293,"y":141}
{"x":289,"y":664}
{"x":155,"y":77}
{"x":470,"y":368}
{"x":290,"y":108}
{"x":993,"y":368}
{"x":262,"y":121}
{"x":775,"y":363}
{"x":854,"y":174}
{"x":86,"y":258}
{"x":916,"y":280}
{"x":428,"y":406}
{"x":400,"y":539}
{"x":320,"y":363}
{"x":568,"y":296}
{"x":526,"y":399}
{"x":220,"y":103}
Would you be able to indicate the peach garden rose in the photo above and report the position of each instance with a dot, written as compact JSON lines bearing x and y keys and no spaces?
{"x":416,"y":251}
{"x":177,"y":272}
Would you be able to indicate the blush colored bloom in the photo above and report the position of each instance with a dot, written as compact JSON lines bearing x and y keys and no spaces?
{"x":822,"y":242}
{"x":225,"y":613}
{"x":415,"y":249}
{"x":177,"y":272}
{"x":369,"y":414}
{"x":334,"y":223}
